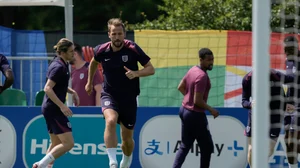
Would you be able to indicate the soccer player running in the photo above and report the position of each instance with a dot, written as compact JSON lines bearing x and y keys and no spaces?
{"x":7,"y":72}
{"x":276,"y":106}
{"x":292,"y":120}
{"x":54,"y":110}
{"x":195,"y":87}
{"x":79,"y":77}
{"x":119,"y":59}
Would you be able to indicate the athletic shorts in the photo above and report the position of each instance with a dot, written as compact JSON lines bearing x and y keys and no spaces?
{"x":125,"y":106}
{"x":273,"y":133}
{"x":290,"y":122}
{"x":56,"y":121}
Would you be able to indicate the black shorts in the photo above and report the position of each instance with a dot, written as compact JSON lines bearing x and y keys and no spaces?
{"x":124,"y":105}
{"x":273,"y":133}
{"x":56,"y":121}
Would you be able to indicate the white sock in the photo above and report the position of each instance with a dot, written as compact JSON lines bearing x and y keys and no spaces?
{"x":126,"y":161}
{"x":112,"y":155}
{"x":46,"y":160}
{"x":293,"y":165}
{"x":50,"y":166}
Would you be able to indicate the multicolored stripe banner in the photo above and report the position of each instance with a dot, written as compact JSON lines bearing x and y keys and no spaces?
{"x":174,"y":52}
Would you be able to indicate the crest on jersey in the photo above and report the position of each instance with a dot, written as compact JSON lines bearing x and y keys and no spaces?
{"x":125,"y":58}
{"x":81,"y":76}
{"x":69,"y":125}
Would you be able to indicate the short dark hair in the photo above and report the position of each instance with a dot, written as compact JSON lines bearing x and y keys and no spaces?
{"x":203,"y":52}
{"x":78,"y":49}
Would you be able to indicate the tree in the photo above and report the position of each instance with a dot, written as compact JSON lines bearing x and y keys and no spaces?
{"x":211,"y":14}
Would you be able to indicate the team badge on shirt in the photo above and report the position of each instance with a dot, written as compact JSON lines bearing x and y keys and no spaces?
{"x":81,"y":76}
{"x":125,"y":58}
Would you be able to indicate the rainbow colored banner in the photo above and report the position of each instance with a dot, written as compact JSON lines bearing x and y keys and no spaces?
{"x":174,"y":52}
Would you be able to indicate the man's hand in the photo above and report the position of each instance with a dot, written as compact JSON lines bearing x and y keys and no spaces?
{"x":66,"y":110}
{"x":76,"y":100}
{"x":130,"y":74}
{"x":89,"y":88}
{"x":252,"y":104}
{"x":215,"y":113}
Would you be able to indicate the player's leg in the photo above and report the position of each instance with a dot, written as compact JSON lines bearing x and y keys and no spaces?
{"x":61,"y":127}
{"x":54,"y":142}
{"x":249,"y":155}
{"x":204,"y":139}
{"x":274,"y":134}
{"x":291,"y":141}
{"x":187,"y":137}
{"x":110,"y":135}
{"x":128,"y":110}
{"x":127,"y":145}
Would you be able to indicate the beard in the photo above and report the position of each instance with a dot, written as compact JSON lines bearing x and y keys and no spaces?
{"x":117,"y":43}
{"x":210,"y":67}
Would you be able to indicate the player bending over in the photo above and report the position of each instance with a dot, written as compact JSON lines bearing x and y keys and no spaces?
{"x":119,"y":59}
{"x":276,"y":107}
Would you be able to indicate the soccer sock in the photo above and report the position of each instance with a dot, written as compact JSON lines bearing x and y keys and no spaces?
{"x":46,"y":160}
{"x":293,"y":165}
{"x":112,"y":155}
{"x":126,"y":160}
{"x":50,"y":166}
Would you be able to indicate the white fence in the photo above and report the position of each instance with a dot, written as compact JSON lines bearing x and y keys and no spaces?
{"x":30,"y":74}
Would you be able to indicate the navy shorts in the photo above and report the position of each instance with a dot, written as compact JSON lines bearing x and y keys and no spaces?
{"x":56,"y":121}
{"x":273,"y":133}
{"x":125,"y":106}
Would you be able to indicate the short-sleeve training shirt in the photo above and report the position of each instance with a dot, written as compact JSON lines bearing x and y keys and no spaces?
{"x":58,"y":72}
{"x":196,"y":80}
{"x":115,"y":80}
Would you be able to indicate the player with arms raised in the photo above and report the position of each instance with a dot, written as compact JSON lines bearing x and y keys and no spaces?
{"x":119,"y":59}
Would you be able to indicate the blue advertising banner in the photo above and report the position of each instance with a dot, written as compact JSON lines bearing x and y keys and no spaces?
{"x":24,"y":138}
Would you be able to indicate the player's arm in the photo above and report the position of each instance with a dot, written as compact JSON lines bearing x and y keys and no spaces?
{"x":71,"y":91}
{"x":92,"y":70}
{"x":246,"y":94}
{"x":98,"y":88}
{"x":48,"y":89}
{"x":147,"y":70}
{"x":7,"y":72}
{"x":286,"y":78}
{"x":200,"y":87}
{"x":181,"y":87}
{"x":144,"y":60}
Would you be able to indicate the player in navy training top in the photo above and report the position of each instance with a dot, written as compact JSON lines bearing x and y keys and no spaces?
{"x":119,"y":59}
{"x":276,"y":106}
{"x":292,"y":119}
{"x":54,"y":110}
{"x":7,"y":72}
